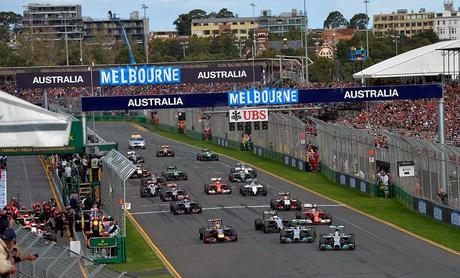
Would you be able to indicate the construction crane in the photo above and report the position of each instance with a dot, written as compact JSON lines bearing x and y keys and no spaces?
{"x":130,"y":50}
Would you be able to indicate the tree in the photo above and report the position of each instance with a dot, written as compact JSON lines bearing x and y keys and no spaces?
{"x":184,"y":21}
{"x":358,"y":21}
{"x":336,"y":20}
{"x":7,"y":19}
{"x":224,"y":13}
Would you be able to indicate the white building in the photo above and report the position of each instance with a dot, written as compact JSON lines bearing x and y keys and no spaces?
{"x":447,"y":23}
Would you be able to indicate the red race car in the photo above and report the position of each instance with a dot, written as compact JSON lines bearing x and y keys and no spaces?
{"x":217,"y":187}
{"x":285,"y":202}
{"x":314,"y":215}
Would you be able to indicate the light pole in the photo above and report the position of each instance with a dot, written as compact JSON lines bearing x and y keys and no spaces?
{"x":395,"y":40}
{"x":306,"y":40}
{"x":254,"y":48}
{"x":240,"y":45}
{"x":367,"y":29}
{"x":66,"y":42}
{"x":146,"y":40}
{"x":184,"y":46}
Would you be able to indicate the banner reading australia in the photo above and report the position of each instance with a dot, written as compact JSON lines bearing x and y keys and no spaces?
{"x":55,"y":79}
{"x":158,"y":75}
{"x":267,"y":96}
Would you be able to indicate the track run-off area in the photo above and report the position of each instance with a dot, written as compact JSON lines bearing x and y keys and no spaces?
{"x":382,"y":251}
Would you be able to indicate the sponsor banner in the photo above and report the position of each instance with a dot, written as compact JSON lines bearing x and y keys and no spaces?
{"x":55,"y":79}
{"x":406,"y":168}
{"x":422,"y":206}
{"x":352,"y":182}
{"x":437,"y":213}
{"x":248,"y":115}
{"x":221,"y":74}
{"x":455,"y":218}
{"x":102,"y":242}
{"x":2,"y":188}
{"x":362,"y":186}
{"x":262,"y":97}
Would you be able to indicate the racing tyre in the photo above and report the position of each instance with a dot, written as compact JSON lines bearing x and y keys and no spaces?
{"x":298,"y":214}
{"x":258,"y":224}
{"x":264,"y":192}
{"x":205,"y":235}
{"x":282,"y":236}
{"x":243,"y":192}
{"x":217,"y":158}
{"x":329,"y":216}
{"x":206,"y":189}
{"x":351,"y":239}
{"x":273,"y":204}
{"x":201,"y":232}
{"x":158,"y":154}
{"x":299,"y":206}
{"x":234,"y":233}
{"x":185,"y":177}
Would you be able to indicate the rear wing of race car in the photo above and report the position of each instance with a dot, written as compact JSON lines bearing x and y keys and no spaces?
{"x":131,"y":153}
{"x":309,"y":205}
{"x":216,"y":179}
{"x":165,"y":147}
{"x":332,"y":228}
{"x":284,"y":193}
{"x":298,"y":222}
{"x":136,"y":136}
{"x":268,"y":213}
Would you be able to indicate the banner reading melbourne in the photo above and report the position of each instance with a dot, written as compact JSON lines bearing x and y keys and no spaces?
{"x":268,"y":96}
{"x":55,"y":79}
{"x":158,"y":75}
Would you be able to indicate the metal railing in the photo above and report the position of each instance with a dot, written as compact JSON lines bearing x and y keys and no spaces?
{"x":56,"y":261}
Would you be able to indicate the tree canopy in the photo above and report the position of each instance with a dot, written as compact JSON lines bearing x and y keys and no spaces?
{"x":336,"y":20}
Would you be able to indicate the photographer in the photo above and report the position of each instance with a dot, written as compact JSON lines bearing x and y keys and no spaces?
{"x":10,"y":254}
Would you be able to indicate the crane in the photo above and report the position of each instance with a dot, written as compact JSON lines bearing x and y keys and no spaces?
{"x":130,"y":50}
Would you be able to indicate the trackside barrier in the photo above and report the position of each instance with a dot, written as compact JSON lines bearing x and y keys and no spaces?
{"x":56,"y":261}
{"x":358,"y":170}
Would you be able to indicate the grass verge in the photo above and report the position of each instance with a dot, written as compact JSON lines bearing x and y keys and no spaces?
{"x":139,"y":256}
{"x":389,"y":210}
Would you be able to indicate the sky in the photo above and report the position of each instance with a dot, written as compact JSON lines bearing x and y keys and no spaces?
{"x":162,"y":13}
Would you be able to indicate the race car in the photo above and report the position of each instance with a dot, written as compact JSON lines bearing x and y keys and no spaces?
{"x":253,"y":188}
{"x":207,"y":155}
{"x":148,"y":188}
{"x":140,"y":173}
{"x":217,"y":232}
{"x":172,"y":173}
{"x":285,"y":202}
{"x":173,"y":194}
{"x":314,"y":215}
{"x":217,"y":187}
{"x":298,"y":232}
{"x":241,"y":173}
{"x":271,"y":222}
{"x":337,"y":239}
{"x":185,"y":207}
{"x":136,"y":141}
{"x":134,"y":158}
{"x":165,"y":151}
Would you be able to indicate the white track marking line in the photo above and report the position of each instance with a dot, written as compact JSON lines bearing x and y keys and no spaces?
{"x":218,"y":208}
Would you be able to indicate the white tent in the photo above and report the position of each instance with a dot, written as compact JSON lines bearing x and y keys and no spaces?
{"x":23,"y":124}
{"x":423,"y":61}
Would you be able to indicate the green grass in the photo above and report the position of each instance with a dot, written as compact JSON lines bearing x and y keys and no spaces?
{"x":139,"y":256}
{"x":389,"y":210}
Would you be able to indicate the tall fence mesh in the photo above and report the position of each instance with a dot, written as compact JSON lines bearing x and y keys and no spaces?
{"x":116,"y":169}
{"x":56,"y":261}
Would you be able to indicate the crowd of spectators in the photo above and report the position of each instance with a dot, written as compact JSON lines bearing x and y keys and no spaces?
{"x":410,"y":118}
{"x":414,"y":118}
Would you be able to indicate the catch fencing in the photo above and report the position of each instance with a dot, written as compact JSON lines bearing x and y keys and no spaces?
{"x":56,"y":261}
{"x":353,"y":152}
{"x":116,"y":170}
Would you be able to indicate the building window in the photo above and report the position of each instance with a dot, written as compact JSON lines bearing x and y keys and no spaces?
{"x":215,"y":32}
{"x":243,"y":31}
{"x":242,"y":23}
{"x":205,"y":24}
{"x":235,"y":23}
{"x":206,"y":32}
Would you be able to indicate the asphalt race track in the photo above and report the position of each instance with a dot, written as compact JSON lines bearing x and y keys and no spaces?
{"x":382,"y":251}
